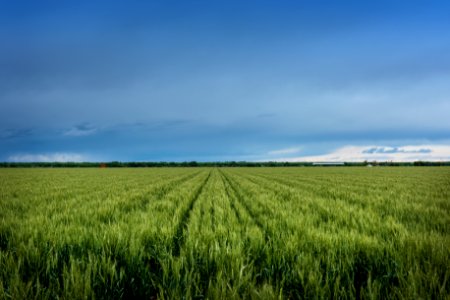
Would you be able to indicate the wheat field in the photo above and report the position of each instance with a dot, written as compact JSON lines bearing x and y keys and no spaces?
{"x":225,"y":233}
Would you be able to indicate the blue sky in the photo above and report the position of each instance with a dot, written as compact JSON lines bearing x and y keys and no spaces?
{"x":224,"y":80}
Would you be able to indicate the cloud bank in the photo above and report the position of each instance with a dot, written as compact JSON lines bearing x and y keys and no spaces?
{"x":380,"y":153}
{"x":48,"y":157}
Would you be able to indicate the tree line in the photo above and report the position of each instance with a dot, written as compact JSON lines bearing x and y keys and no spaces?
{"x":119,"y":164}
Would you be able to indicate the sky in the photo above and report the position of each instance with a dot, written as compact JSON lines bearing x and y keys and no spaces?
{"x":224,"y":80}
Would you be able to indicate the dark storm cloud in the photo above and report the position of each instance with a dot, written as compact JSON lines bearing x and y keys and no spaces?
{"x":137,"y":80}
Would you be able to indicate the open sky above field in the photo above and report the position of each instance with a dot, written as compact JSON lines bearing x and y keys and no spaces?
{"x":224,"y":80}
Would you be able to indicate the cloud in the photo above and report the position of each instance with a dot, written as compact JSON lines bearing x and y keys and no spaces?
{"x":15,"y":133}
{"x":284,"y":151}
{"x":380,"y":153}
{"x":48,"y":157}
{"x":81,"y":130}
{"x":395,"y":150}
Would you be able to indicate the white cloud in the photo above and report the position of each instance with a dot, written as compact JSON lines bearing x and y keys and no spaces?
{"x":285,"y":151}
{"x":380,"y":153}
{"x":48,"y":157}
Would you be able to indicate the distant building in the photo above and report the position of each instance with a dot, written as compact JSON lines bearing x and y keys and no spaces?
{"x":328,"y":164}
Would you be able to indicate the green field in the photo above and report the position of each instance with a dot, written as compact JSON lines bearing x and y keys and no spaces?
{"x":325,"y":232}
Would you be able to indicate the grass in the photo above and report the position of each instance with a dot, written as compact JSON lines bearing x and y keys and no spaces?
{"x":234,"y":233}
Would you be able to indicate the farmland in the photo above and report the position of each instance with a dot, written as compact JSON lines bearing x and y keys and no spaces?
{"x":319,"y":232}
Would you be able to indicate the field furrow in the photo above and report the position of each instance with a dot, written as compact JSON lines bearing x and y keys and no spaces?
{"x":237,"y":200}
{"x":179,"y":236}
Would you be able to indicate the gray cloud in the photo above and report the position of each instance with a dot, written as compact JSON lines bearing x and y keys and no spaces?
{"x":390,"y":150}
{"x":15,"y":133}
{"x":82,"y":129}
